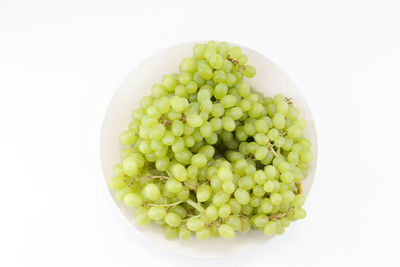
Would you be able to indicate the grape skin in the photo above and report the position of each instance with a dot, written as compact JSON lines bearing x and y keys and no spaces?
{"x":205,"y":153}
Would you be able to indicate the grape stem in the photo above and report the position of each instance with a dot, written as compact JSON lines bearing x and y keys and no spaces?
{"x":188,"y":185}
{"x":236,"y":62}
{"x":299,"y":188}
{"x":166,"y":205}
{"x":277,"y":154}
{"x":195,"y":205}
{"x":150,"y":177}
{"x":289,"y":100}
{"x":280,"y":215}
{"x":184,"y":220}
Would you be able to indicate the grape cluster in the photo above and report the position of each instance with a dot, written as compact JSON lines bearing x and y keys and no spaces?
{"x":206,"y":154}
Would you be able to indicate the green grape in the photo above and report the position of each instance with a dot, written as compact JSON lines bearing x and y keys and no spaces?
{"x":220,"y":198}
{"x":235,"y":206}
{"x":299,"y":213}
{"x":194,"y":120}
{"x":228,"y":124}
{"x":258,"y":190}
{"x":162,"y":163}
{"x":255,"y":201}
{"x":130,"y":166}
{"x":217,"y":110}
{"x":156,"y":213}
{"x":185,"y":77}
{"x":270,"y":228}
{"x":170,"y":232}
{"x":228,"y":101}
{"x":287,"y":177}
{"x":294,"y":131}
{"x":173,"y":186}
{"x":298,"y":201}
{"x":235,"y":113}
{"x":127,"y":137}
{"x":117,"y":182}
{"x":223,"y":48}
{"x":275,"y":198}
{"x":220,"y":90}
{"x":260,"y":177}
{"x":195,"y":224}
{"x":152,"y":192}
{"x":197,"y":79}
{"x":228,"y":187}
{"x":203,"y":234}
{"x":261,"y":153}
{"x":288,"y":196}
{"x":208,"y":151}
{"x":279,"y":121}
{"x":245,"y":226}
{"x":225,"y":173}
{"x":230,"y":79}
{"x":219,"y":76}
{"x":203,"y":193}
{"x":235,"y":52}
{"x":211,"y":213}
{"x":235,"y":222}
{"x":242,"y":196}
{"x":206,"y":130}
{"x":205,"y":72}
{"x":226,"y":231}
{"x":169,"y":82}
{"x":198,"y":51}
{"x":142,"y":219}
{"x":306,"y":156}
{"x":216,"y":61}
{"x":250,"y":71}
{"x":184,"y":233}
{"x":179,"y":172}
{"x":246,"y":183}
{"x":188,"y":65}
{"x":172,"y":219}
{"x":224,"y":211}
{"x":132,"y":200}
{"x":260,"y":220}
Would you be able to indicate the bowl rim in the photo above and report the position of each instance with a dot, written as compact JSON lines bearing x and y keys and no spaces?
{"x":144,"y":62}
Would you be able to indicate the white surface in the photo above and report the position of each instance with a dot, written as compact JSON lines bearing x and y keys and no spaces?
{"x":61,"y":61}
{"x":270,"y":80}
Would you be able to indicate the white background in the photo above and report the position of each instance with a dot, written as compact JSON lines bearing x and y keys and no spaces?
{"x":61,"y":62}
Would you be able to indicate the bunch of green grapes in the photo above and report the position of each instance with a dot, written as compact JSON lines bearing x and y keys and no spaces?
{"x":206,"y":154}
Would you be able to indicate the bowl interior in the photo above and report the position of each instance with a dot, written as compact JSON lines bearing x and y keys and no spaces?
{"x":270,"y":80}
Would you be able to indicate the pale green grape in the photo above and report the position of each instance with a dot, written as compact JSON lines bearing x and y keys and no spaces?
{"x":132,"y":200}
{"x":172,"y":219}
{"x":203,"y":234}
{"x":152,"y":192}
{"x":179,"y":172}
{"x":117,"y":182}
{"x":195,"y":224}
{"x":170,"y":232}
{"x":242,"y":196}
{"x":173,"y":186}
{"x":203,"y":193}
{"x":184,"y":233}
{"x":226,"y":231}
{"x":220,"y":198}
{"x":156,"y":213}
{"x":211,"y":213}
{"x":270,"y":228}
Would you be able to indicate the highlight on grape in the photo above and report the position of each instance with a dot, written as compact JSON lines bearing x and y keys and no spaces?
{"x":207,"y":154}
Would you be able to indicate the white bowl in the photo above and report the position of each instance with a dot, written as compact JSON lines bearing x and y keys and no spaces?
{"x":270,"y":80}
